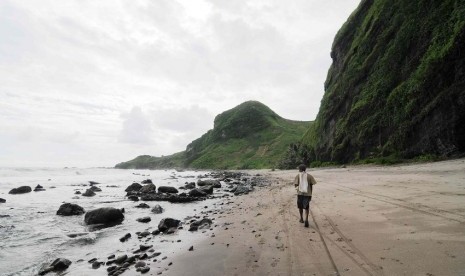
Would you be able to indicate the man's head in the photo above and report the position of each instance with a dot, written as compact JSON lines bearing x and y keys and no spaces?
{"x":302,"y":168}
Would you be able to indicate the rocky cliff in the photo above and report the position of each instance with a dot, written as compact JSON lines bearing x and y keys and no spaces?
{"x":396,"y":86}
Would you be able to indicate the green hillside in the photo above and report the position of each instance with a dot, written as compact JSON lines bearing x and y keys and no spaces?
{"x":396,"y":87}
{"x":249,"y":136}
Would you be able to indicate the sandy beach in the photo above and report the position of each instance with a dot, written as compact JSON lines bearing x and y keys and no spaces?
{"x":365,"y":220}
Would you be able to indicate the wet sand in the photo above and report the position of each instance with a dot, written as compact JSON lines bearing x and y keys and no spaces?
{"x":398,"y":220}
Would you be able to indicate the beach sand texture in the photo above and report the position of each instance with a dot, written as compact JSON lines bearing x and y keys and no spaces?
{"x":397,"y":220}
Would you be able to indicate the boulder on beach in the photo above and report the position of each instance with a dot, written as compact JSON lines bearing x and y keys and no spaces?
{"x":20,"y":190}
{"x":57,"y":265}
{"x":197,"y":193}
{"x":2,"y":200}
{"x":70,"y":209}
{"x":207,"y":189}
{"x":242,"y":189}
{"x":157,"y":209}
{"x":39,"y":188}
{"x":91,"y":183}
{"x":133,"y":198}
{"x":167,"y":189}
{"x":144,"y":219}
{"x":190,"y":185}
{"x":88,"y":192}
{"x":134,"y":187}
{"x":95,"y":189}
{"x":142,"y":205}
{"x":107,"y":215}
{"x":200,"y":224}
{"x":168,"y":223}
{"x":77,"y":192}
{"x":147,"y":181}
{"x":209,"y":182}
{"x":149,"y":188}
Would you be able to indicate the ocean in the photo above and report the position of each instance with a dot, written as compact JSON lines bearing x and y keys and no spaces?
{"x":32,"y":235}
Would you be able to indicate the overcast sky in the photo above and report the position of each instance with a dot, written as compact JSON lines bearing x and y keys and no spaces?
{"x":94,"y":83}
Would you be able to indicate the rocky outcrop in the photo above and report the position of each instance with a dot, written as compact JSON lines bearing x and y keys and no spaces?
{"x":20,"y":190}
{"x":168,"y":223}
{"x":107,"y":215}
{"x":69,"y":209}
{"x":134,"y":187}
{"x":149,"y":188}
{"x":59,"y":264}
{"x":167,"y":189}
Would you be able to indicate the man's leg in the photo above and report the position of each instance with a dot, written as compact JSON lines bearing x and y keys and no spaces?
{"x":306,"y":216}
{"x":301,"y":213}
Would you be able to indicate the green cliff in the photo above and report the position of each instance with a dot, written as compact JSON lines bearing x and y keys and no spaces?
{"x":249,"y":136}
{"x":396,"y":87}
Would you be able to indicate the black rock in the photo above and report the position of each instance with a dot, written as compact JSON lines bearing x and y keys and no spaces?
{"x":208,"y":182}
{"x":167,"y":189}
{"x":69,"y":209}
{"x":133,"y":187}
{"x":145,"y":269}
{"x":144,"y":219}
{"x":147,"y":181}
{"x":242,"y":189}
{"x":197,"y":193}
{"x":190,"y":185}
{"x":149,"y":188}
{"x":111,"y":268}
{"x":144,"y":247}
{"x":133,"y":198}
{"x":155,"y":232}
{"x":93,"y":183}
{"x":200,"y":224}
{"x":157,"y":209}
{"x":77,"y":192}
{"x":96,"y":265}
{"x":2,"y":200}
{"x":207,"y":189}
{"x":121,"y":259}
{"x":191,"y":248}
{"x":143,"y":205}
{"x":57,"y":265}
{"x":95,"y":189}
{"x":168,"y":223}
{"x":20,"y":190}
{"x":140,"y":264}
{"x":39,"y":188}
{"x":88,"y":192}
{"x":107,"y":215}
{"x":125,"y":237}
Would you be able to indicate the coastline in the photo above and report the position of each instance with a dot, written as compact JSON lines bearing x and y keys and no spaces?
{"x":365,"y":220}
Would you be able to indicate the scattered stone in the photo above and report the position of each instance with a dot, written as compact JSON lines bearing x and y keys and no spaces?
{"x":157,"y":209}
{"x":190,"y":185}
{"x":112,"y":256}
{"x":57,"y":265}
{"x":144,"y":219}
{"x":143,"y":205}
{"x":39,"y":188}
{"x":208,"y":182}
{"x":168,"y":223}
{"x":111,"y":268}
{"x":20,"y":190}
{"x":134,"y":187}
{"x":2,"y":200}
{"x":207,"y":189}
{"x":95,"y":189}
{"x":140,"y":264}
{"x":77,"y":192}
{"x":121,"y":259}
{"x":242,"y":189}
{"x":144,"y":247}
{"x":147,"y":181}
{"x":144,"y":234}
{"x":92,"y":260}
{"x":149,"y":188}
{"x":70,"y":209}
{"x":133,"y":198}
{"x":191,"y":248}
{"x":144,"y":269}
{"x":88,"y":192}
{"x":204,"y":223}
{"x":124,"y":238}
{"x":156,"y":232}
{"x":107,"y":215}
{"x":197,"y":193}
{"x":91,"y":183}
{"x":167,"y":189}
{"x":96,"y":265}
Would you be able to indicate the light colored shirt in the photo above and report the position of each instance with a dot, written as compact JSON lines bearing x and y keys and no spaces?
{"x":311,"y":181}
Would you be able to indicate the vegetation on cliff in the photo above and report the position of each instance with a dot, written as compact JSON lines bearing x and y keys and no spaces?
{"x":249,"y":136}
{"x":396,"y":87}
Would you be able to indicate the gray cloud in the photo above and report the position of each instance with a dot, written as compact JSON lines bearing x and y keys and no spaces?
{"x":137,"y":128}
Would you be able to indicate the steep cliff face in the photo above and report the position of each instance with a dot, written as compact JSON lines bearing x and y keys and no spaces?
{"x":396,"y":85}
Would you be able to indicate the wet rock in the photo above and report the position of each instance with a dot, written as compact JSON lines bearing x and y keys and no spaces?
{"x":191,"y":248}
{"x":133,"y":198}
{"x":92,"y":183}
{"x":111,"y":268}
{"x":200,"y":224}
{"x":144,"y":234}
{"x":134,"y":187}
{"x":173,"y":198}
{"x":242,"y":189}
{"x":155,"y":232}
{"x":107,"y":215}
{"x":207,"y":189}
{"x":2,"y":200}
{"x":140,"y":264}
{"x":88,"y":192}
{"x":112,"y":256}
{"x":121,"y":259}
{"x":125,"y":237}
{"x":39,"y":188}
{"x":95,"y":189}
{"x":197,"y":193}
{"x":70,"y":209}
{"x":168,"y":223}
{"x":157,"y":209}
{"x":144,"y":247}
{"x":96,"y":265}
{"x":149,"y":188}
{"x":209,"y":182}
{"x":167,"y":189}
{"x":190,"y":185}
{"x":144,"y":269}
{"x":20,"y":190}
{"x":147,"y":181}
{"x":144,"y":219}
{"x":77,"y":192}
{"x":57,"y":265}
{"x":143,"y":205}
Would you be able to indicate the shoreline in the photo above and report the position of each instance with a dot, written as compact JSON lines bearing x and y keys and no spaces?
{"x":365,"y":220}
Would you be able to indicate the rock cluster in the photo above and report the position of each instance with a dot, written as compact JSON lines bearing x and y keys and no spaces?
{"x":69,"y":209}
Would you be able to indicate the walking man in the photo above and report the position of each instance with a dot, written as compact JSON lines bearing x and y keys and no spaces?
{"x":304,"y":183}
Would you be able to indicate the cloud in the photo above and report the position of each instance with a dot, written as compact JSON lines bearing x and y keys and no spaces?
{"x":137,"y":128}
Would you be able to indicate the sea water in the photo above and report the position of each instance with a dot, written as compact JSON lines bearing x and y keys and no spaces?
{"x":32,"y":235}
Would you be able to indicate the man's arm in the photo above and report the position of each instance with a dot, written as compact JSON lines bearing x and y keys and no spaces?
{"x":311,"y":180}
{"x":296,"y":181}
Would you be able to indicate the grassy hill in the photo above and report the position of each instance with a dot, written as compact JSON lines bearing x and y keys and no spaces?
{"x":396,"y":87}
{"x":249,"y":136}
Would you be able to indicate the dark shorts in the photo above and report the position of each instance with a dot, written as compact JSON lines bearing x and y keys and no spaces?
{"x":303,"y":202}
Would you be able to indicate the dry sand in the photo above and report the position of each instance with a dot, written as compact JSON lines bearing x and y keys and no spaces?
{"x":398,"y":220}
